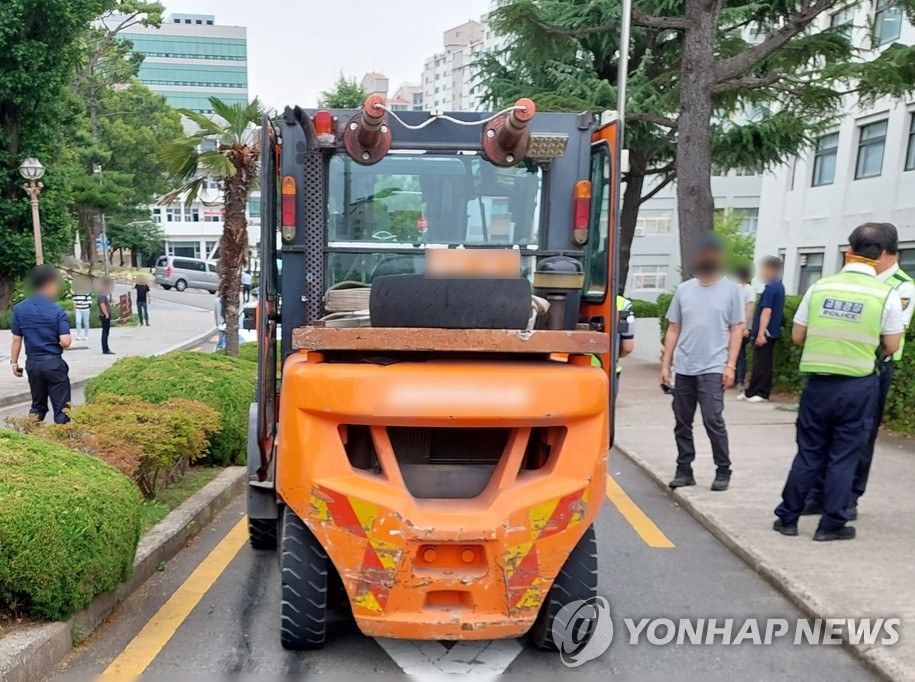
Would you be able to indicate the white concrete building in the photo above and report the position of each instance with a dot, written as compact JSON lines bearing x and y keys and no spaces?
{"x":862,"y":171}
{"x":449,"y":82}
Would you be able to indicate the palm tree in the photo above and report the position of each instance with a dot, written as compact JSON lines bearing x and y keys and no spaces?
{"x":234,"y":163}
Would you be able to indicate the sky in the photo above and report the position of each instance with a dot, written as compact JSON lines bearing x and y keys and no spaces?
{"x":296,"y":48}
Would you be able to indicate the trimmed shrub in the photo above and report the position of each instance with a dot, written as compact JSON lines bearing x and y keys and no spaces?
{"x":70,"y":527}
{"x":644,"y":308}
{"x":150,"y":444}
{"x":225,"y":384}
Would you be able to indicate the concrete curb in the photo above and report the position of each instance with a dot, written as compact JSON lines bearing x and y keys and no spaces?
{"x":877,"y":659}
{"x":32,"y":654}
{"x":25,"y":396}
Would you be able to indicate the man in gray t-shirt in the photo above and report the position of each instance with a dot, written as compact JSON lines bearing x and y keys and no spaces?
{"x":703,"y":339}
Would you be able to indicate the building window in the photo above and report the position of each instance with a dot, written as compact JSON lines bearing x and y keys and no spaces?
{"x":157,"y":216}
{"x":173,"y":214}
{"x":910,"y":154}
{"x":653,"y":223}
{"x":907,"y":260}
{"x":887,"y":21}
{"x":824,"y":160}
{"x":749,"y":219}
{"x":843,"y":21}
{"x":810,"y":271}
{"x":749,"y":172}
{"x":645,"y":277}
{"x":183,"y":249}
{"x":871,"y":142}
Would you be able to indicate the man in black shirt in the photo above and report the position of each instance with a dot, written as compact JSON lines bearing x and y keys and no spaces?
{"x":141,"y":286}
{"x":106,"y":294}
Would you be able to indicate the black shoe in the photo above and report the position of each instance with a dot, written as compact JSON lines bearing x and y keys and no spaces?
{"x":681,"y":480}
{"x":812,"y":507}
{"x":852,"y":511}
{"x":108,"y":352}
{"x":789,"y":529}
{"x":721,"y":482}
{"x":843,"y":533}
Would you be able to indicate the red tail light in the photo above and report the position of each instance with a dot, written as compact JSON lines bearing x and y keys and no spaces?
{"x":288,"y":208}
{"x":581,"y":212}
{"x":168,"y":271}
{"x":324,"y":123}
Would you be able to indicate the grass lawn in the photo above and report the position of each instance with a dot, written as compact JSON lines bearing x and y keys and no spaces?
{"x":153,"y":511}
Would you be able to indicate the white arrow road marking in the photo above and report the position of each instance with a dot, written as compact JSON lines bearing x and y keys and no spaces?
{"x":486,"y":657}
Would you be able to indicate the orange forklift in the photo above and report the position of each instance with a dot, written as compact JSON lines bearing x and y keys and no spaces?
{"x":429,"y":440}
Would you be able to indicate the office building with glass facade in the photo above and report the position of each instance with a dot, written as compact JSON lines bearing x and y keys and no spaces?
{"x":190,"y":59}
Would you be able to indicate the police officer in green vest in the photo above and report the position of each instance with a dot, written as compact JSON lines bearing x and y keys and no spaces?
{"x":845,"y":323}
{"x":625,"y":329}
{"x":888,"y":271}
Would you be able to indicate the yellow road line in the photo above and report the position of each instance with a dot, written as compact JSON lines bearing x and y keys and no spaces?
{"x":157,"y":632}
{"x":638,"y":519}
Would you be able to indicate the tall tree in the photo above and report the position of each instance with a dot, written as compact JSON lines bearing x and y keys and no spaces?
{"x":234,"y":161}
{"x":345,"y":94}
{"x":743,"y":83}
{"x":39,"y":48}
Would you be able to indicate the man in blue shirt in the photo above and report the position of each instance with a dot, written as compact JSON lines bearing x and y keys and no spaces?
{"x":42,"y":324}
{"x":767,"y":328}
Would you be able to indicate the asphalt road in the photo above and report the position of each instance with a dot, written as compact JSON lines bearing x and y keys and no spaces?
{"x":234,"y":628}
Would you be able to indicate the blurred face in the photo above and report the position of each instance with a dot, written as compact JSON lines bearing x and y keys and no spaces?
{"x":768,"y":273}
{"x":706,"y":263}
{"x":51,"y":290}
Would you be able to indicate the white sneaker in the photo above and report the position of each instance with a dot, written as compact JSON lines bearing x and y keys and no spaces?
{"x":741,"y":396}
{"x":756,"y":399}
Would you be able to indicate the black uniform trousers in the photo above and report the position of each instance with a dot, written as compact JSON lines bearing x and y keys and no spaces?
{"x":863,"y":470}
{"x":834,"y":426}
{"x":49,"y":378}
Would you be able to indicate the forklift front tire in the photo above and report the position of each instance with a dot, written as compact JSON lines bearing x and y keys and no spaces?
{"x":577,"y":581}
{"x":304,"y":569}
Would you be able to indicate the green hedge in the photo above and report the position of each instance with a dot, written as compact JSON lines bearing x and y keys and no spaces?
{"x":225,"y":384}
{"x":644,"y":308}
{"x":69,"y":530}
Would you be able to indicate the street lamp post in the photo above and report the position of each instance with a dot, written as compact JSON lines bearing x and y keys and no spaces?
{"x":32,"y":170}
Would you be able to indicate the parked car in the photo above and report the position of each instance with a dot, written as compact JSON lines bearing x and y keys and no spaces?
{"x":186,"y":273}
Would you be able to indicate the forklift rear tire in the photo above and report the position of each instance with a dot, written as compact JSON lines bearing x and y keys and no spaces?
{"x":262,"y":533}
{"x":577,"y":581}
{"x":304,"y":568}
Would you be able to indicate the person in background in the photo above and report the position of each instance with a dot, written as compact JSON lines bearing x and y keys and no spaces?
{"x":844,"y":323}
{"x":41,"y":323}
{"x":743,"y":274}
{"x":625,"y":331}
{"x":702,"y":341}
{"x":141,"y":286}
{"x":220,"y":323}
{"x":82,"y":306}
{"x":105,"y":307}
{"x":767,"y":328}
{"x":246,"y":285}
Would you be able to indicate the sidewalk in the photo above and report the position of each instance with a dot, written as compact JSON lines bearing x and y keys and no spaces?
{"x":173,"y":326}
{"x":871,"y":576}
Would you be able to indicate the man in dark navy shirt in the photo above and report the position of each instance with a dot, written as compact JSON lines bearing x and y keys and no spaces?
{"x":767,"y":328}
{"x":43,"y":325}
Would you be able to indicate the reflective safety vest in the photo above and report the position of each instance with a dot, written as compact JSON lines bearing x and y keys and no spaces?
{"x":843,"y":325}
{"x":625,"y":320}
{"x":899,"y":278}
